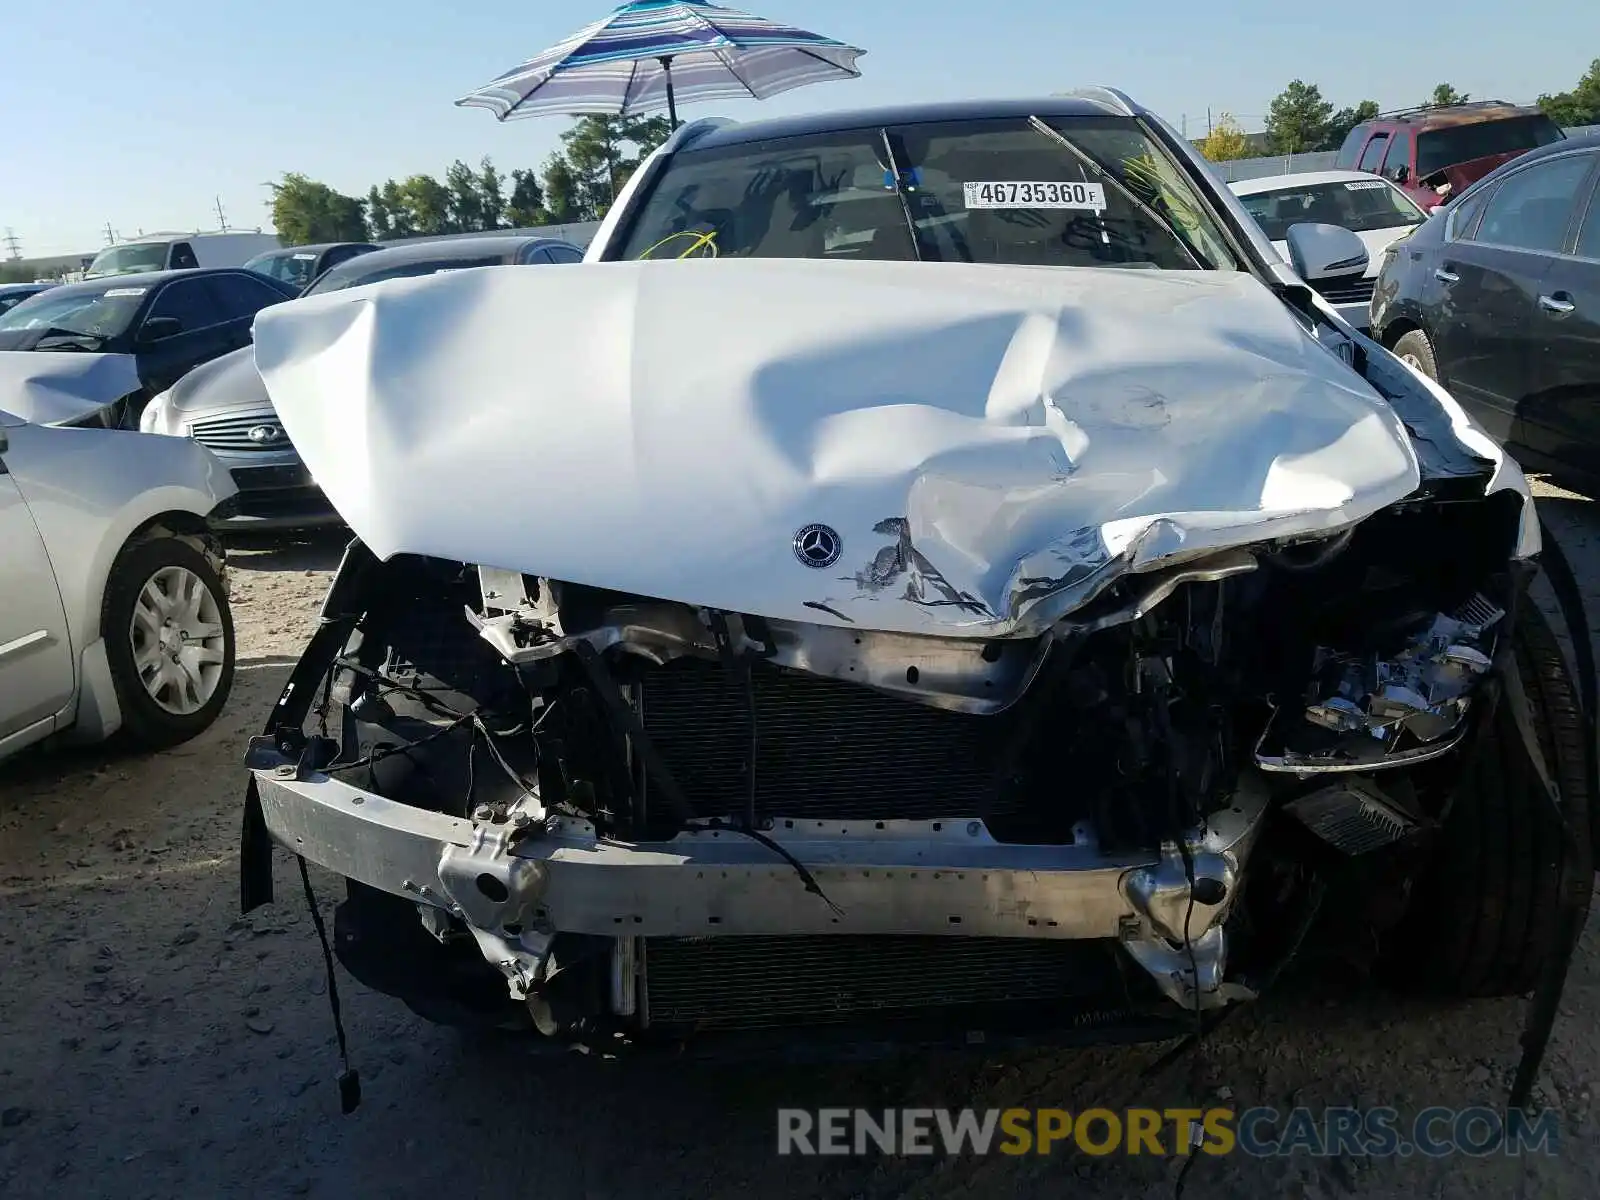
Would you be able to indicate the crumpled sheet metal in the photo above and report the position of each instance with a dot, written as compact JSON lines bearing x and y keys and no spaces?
{"x":992,"y":444}
{"x":50,"y":387}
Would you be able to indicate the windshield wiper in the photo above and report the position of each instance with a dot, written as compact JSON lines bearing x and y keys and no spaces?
{"x":900,"y":195}
{"x":1095,"y":165}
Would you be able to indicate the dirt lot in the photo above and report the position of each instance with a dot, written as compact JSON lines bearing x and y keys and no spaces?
{"x":153,"y":1043}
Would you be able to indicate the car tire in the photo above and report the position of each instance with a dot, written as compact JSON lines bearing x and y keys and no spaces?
{"x":1414,"y":347}
{"x":169,"y":638}
{"x":1483,"y":916}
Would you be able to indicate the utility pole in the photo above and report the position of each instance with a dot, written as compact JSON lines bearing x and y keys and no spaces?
{"x":13,"y":250}
{"x":111,"y":235}
{"x":1208,"y":121}
{"x":222,"y":217}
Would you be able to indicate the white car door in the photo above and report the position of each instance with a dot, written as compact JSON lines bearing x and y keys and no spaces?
{"x":36,"y":675}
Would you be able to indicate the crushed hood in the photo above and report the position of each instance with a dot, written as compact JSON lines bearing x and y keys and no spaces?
{"x":51,"y":387}
{"x":990,"y":444}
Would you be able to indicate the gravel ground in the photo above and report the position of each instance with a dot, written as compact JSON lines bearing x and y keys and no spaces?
{"x":153,"y":1043}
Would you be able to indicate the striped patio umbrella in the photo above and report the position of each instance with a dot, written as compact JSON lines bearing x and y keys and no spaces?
{"x":652,"y":53}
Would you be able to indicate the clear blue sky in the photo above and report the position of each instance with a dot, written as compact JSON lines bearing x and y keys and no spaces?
{"x":140,"y":113}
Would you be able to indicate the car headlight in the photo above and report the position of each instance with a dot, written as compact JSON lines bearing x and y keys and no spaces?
{"x":153,"y":412}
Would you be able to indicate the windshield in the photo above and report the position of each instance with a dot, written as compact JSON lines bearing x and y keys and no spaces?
{"x":9,"y":300}
{"x":1357,"y":205}
{"x":1009,"y":190}
{"x":293,"y":267}
{"x":75,"y":320}
{"x":360,"y":271}
{"x":123,"y":260}
{"x":1441,"y":148}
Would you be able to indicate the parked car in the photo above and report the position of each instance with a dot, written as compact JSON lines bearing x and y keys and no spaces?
{"x":1437,"y":151}
{"x":113,"y":595}
{"x":1498,"y":299}
{"x":298,"y":266}
{"x":95,"y":352}
{"x":223,"y":404}
{"x":1379,"y":212}
{"x":993,"y":596}
{"x":13,"y":294}
{"x":175,"y":252}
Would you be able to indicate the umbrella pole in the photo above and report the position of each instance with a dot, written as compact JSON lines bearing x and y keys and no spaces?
{"x":672,"y":101}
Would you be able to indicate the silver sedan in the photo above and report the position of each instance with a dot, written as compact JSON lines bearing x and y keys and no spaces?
{"x":113,"y":592}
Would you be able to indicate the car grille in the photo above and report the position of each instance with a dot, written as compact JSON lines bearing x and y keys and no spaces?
{"x":827,"y":749}
{"x":233,"y":433}
{"x":775,"y":982}
{"x":1346,"y":292}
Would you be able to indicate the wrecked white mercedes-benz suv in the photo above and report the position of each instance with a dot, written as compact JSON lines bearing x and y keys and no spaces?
{"x":932,"y":571}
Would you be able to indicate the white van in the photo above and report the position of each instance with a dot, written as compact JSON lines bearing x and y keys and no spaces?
{"x":172,"y":251}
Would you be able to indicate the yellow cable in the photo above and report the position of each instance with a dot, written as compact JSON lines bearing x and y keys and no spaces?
{"x":701,"y":240}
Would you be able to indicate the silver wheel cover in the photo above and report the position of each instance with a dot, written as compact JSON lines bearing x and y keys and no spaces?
{"x":178,"y":640}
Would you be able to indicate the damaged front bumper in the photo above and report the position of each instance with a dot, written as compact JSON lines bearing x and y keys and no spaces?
{"x":518,"y":883}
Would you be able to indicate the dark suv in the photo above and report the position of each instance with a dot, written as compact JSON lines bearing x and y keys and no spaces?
{"x":1437,"y":151}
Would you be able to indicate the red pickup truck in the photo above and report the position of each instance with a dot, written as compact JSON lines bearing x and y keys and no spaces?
{"x":1437,"y":151}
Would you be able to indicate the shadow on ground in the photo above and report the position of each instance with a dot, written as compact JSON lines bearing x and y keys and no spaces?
{"x":317,"y":550}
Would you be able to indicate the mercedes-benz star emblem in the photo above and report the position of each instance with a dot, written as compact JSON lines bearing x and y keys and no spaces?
{"x":818,"y":546}
{"x":265,"y":435}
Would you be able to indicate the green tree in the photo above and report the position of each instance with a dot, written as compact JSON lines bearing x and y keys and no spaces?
{"x":527,"y":200}
{"x":564,"y":197}
{"x":1297,"y":119}
{"x":1226,"y":141}
{"x":603,"y":151}
{"x":429,"y":205}
{"x":306,"y":211}
{"x":466,"y":198}
{"x":1445,"y":94}
{"x":1343,"y":121}
{"x":395,"y":208}
{"x":1580,"y":106}
{"x":491,"y":192}
{"x":379,"y":223}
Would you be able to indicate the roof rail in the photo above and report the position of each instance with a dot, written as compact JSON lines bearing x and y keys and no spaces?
{"x":1422,"y":108}
{"x":1109,"y":96}
{"x":691,"y":131}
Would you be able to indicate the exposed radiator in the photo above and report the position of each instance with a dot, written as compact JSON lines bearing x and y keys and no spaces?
{"x":767,"y":982}
{"x":827,"y":749}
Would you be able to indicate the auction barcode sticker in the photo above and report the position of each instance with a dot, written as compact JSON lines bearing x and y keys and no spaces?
{"x":1364,"y":185}
{"x":1034,"y":195}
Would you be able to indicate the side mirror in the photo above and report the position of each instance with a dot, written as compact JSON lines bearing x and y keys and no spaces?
{"x":1325,"y":252}
{"x":156,"y":329}
{"x":1400,"y":174}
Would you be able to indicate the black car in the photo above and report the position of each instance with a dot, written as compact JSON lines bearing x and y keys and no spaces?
{"x":95,"y":352}
{"x":13,"y":294}
{"x":1497,"y":297}
{"x":224,"y":406}
{"x":300,"y":266}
